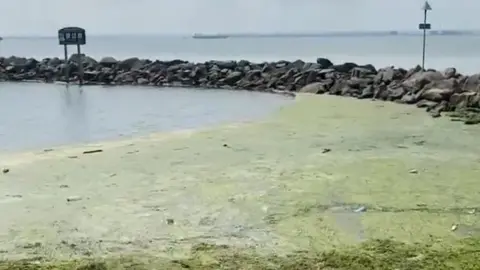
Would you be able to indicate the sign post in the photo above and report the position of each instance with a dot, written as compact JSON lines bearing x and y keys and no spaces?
{"x":425,"y":26}
{"x":72,"y":36}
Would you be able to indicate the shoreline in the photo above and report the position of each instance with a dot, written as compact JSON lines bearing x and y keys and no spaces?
{"x":15,"y":158}
{"x":436,"y":91}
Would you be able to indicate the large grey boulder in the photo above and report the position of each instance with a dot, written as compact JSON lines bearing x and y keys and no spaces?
{"x":313,"y":88}
{"x":108,"y":61}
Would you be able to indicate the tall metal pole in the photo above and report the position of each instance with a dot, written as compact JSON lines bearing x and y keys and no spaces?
{"x":425,"y":26}
{"x":424,"y":37}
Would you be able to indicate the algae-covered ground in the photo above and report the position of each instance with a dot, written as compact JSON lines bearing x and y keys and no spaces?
{"x":326,"y":183}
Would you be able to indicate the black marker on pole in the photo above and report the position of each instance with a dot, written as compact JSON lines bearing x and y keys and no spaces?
{"x":425,"y":26}
{"x":73,"y":36}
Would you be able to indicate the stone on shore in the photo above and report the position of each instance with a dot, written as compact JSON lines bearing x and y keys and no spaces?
{"x":437,"y":91}
{"x":313,"y":88}
{"x":107,"y":61}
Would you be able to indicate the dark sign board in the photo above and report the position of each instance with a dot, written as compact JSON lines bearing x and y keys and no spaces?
{"x":72,"y":36}
{"x":424,"y":26}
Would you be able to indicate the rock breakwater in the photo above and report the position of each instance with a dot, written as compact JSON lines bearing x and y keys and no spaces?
{"x":436,"y":91}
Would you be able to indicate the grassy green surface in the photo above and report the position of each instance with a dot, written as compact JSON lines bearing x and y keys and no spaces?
{"x":382,"y":255}
{"x":290,"y":184}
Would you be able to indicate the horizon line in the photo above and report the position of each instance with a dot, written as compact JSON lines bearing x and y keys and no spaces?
{"x":234,"y":34}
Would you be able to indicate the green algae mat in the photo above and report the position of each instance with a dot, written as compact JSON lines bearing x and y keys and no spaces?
{"x":326,"y":183}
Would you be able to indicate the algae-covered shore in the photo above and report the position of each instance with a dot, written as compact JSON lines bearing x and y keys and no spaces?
{"x":311,"y":187}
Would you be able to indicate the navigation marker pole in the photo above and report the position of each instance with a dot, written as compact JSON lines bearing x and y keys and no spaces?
{"x":425,"y":26}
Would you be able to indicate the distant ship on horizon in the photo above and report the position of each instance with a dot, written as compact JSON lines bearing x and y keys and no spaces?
{"x":206,"y":36}
{"x":338,"y":34}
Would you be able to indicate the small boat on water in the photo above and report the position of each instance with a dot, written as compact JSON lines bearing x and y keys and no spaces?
{"x":204,"y":36}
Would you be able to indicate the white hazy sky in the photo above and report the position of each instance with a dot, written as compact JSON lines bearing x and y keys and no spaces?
{"x":45,"y":17}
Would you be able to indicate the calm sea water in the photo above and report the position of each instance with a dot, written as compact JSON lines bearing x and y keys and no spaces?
{"x":38,"y":115}
{"x":404,"y":51}
{"x":34,"y":115}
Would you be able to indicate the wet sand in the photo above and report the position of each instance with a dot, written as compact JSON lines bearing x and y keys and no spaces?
{"x":322,"y":173}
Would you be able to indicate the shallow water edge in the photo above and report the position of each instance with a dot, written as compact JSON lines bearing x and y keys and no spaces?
{"x":435,"y":91}
{"x":36,"y":116}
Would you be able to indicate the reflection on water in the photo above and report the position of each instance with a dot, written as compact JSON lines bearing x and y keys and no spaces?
{"x":42,"y":115}
{"x":75,"y":122}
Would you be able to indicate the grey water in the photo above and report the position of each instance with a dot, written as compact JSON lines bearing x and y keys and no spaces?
{"x":461,"y":52}
{"x":34,"y":115}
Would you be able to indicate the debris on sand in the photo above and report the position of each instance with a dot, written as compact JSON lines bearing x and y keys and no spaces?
{"x":93,"y":151}
{"x":74,"y":198}
{"x":360,"y":209}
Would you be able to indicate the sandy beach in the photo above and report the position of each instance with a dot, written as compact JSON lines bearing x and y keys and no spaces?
{"x":323,"y":173}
